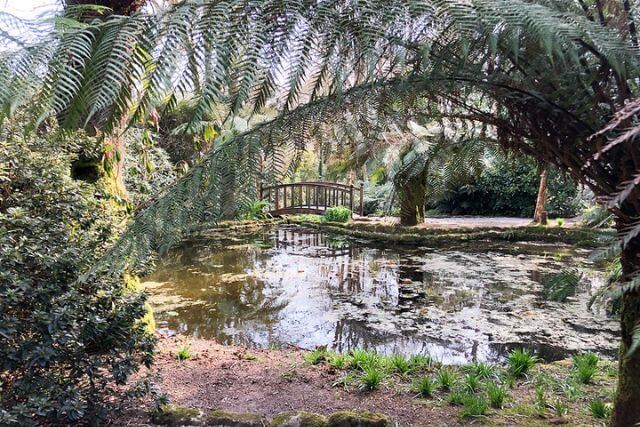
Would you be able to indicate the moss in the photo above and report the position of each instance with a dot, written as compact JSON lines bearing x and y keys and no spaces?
{"x":358,"y":419}
{"x":173,"y":415}
{"x":299,"y":419}
{"x":132,"y":284}
{"x":148,"y":319}
{"x":233,"y":419}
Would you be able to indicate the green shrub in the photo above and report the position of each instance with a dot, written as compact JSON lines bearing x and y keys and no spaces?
{"x":520,"y":361}
{"x":65,"y":342}
{"x":337,"y":214}
{"x":481,"y":370}
{"x":424,"y":386}
{"x":496,"y":394}
{"x":338,"y":360}
{"x":363,"y":360}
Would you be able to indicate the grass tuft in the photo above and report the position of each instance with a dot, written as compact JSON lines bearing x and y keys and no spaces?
{"x":400,"y":364}
{"x":316,"y":356}
{"x":471,"y":383}
{"x":497,"y":394}
{"x":446,"y":378}
{"x":371,"y":379}
{"x":520,"y":361}
{"x":599,"y":409}
{"x":338,"y":360}
{"x":425,"y":386}
{"x":184,"y":352}
{"x":481,"y":370}
{"x":585,"y":366}
{"x":473,"y":406}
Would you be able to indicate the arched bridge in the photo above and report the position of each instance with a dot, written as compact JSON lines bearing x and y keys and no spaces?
{"x":310,"y":197}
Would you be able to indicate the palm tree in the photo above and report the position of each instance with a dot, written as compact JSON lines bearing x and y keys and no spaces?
{"x":544,"y":74}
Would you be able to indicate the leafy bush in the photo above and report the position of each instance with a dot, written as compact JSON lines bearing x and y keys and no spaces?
{"x":337,"y":214}
{"x":65,"y":343}
{"x":510,"y":187}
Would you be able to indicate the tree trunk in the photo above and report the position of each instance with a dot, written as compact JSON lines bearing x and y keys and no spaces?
{"x":627,"y":401}
{"x":411,"y":197}
{"x":540,"y":214}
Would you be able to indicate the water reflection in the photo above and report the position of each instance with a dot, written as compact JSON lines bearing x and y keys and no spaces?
{"x":302,"y":287}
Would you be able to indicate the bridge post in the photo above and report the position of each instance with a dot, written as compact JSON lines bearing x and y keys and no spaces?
{"x":361,"y":197}
{"x":351,"y":199}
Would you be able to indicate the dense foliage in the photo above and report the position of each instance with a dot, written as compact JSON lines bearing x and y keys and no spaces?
{"x":64,"y":344}
{"x":337,"y":214}
{"x":509,"y":187}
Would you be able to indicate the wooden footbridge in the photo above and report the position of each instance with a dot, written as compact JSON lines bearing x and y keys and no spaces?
{"x":310,"y":197}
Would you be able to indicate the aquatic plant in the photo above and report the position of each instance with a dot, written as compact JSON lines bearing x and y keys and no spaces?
{"x":473,"y":406}
{"x":585,"y":366}
{"x":446,"y":378}
{"x":496,"y":394}
{"x":599,"y":409}
{"x":424,"y":386}
{"x":520,"y":360}
{"x":371,"y":378}
{"x":184,"y":352}
{"x":337,"y":214}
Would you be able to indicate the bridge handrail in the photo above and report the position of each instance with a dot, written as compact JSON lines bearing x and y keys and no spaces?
{"x":347,"y":191}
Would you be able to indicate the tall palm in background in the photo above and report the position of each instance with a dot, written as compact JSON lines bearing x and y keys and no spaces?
{"x":546,"y":75}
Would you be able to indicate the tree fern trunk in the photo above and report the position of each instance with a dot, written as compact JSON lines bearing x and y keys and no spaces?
{"x":627,"y":403}
{"x":540,"y":215}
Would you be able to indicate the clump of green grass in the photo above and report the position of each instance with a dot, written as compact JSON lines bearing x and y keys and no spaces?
{"x":371,"y":379}
{"x":420,"y":361}
{"x":473,"y":406}
{"x":456,"y":398}
{"x":599,"y":409}
{"x":338,"y":360}
{"x":560,"y":222}
{"x":585,"y":366}
{"x":540,"y":399}
{"x":364,"y":360}
{"x":471,"y":383}
{"x":400,"y":364}
{"x":520,"y":361}
{"x":496,"y":394}
{"x":424,"y":386}
{"x":316,"y":356}
{"x":446,"y":378}
{"x":337,"y":214}
{"x":481,"y":370}
{"x":184,"y":352}
{"x":560,"y":408}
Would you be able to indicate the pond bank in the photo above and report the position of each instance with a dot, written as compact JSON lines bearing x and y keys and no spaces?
{"x":267,"y":383}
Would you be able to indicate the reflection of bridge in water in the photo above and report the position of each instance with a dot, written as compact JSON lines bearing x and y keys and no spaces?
{"x":310,"y":197}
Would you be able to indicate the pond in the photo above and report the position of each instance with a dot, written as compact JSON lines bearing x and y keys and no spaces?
{"x":289,"y":285}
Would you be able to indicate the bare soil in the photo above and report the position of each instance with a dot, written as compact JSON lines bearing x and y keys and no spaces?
{"x":270,"y":382}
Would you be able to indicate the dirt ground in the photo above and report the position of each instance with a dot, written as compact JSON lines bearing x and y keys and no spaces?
{"x":271,"y":382}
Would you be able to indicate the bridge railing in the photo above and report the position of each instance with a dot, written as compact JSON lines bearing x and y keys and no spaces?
{"x":311,"y":197}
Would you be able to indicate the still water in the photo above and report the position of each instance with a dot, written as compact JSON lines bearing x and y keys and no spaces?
{"x":294,"y":286}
